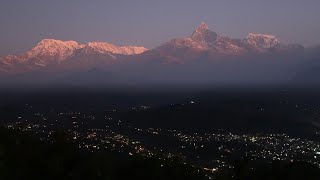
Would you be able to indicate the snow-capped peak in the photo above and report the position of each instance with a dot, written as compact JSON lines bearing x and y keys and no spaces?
{"x":54,"y":42}
{"x":103,"y":47}
{"x":64,"y":49}
{"x":52,"y":51}
{"x":262,"y":40}
{"x":202,"y":26}
{"x":53,"y":48}
{"x":261,"y":35}
{"x":203,"y":34}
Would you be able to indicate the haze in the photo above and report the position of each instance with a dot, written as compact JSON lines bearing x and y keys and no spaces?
{"x":151,"y":23}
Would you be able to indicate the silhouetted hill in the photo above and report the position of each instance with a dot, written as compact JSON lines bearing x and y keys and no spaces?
{"x":23,"y":156}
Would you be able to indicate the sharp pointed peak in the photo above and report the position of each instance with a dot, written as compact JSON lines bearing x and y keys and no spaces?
{"x":203,"y":34}
{"x":202,"y":26}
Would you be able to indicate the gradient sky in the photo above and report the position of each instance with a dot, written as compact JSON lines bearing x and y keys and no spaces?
{"x":152,"y":22}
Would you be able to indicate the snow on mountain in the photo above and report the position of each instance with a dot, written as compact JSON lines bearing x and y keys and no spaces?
{"x":57,"y":49}
{"x":262,"y":41}
{"x":203,"y":43}
{"x":203,"y":34}
{"x":203,"y":39}
{"x":45,"y":52}
{"x":225,"y":45}
{"x":51,"y":51}
{"x":102,"y":47}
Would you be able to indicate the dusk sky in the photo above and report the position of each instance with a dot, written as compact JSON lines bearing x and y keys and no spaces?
{"x":151,"y":23}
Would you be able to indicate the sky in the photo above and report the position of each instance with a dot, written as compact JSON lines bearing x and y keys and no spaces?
{"x":150,"y":23}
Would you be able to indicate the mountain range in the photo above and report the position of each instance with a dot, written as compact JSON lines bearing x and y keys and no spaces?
{"x":204,"y":45}
{"x":50,"y":52}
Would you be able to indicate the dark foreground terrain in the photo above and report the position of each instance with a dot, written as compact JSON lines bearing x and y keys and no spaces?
{"x":25,"y":157}
{"x":216,"y":134}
